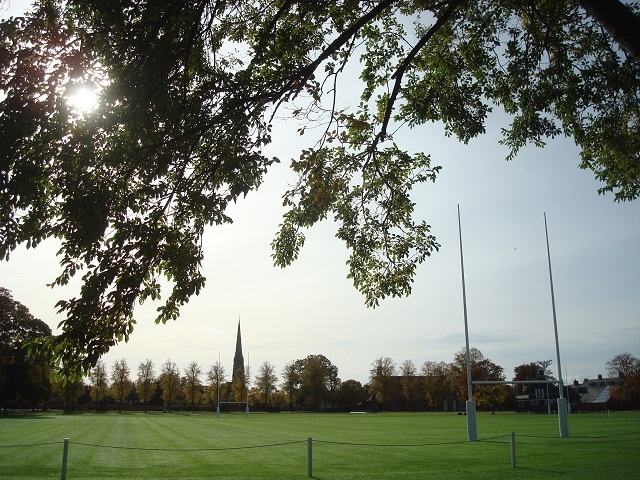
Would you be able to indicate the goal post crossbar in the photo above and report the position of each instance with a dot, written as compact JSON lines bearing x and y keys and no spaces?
{"x":245,"y":404}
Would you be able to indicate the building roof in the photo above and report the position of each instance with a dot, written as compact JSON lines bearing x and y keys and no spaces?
{"x":595,"y":390}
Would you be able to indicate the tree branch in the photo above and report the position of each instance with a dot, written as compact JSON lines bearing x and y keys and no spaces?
{"x":399,"y":73}
{"x":618,"y":20}
{"x":344,"y":37}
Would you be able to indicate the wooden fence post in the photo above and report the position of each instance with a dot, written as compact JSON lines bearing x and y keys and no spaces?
{"x":513,"y":449}
{"x":65,"y":452}
{"x":309,"y":457}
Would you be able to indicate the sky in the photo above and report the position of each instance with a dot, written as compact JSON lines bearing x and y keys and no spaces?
{"x":312,"y":308}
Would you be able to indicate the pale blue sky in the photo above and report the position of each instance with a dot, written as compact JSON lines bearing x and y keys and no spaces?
{"x":311,"y":308}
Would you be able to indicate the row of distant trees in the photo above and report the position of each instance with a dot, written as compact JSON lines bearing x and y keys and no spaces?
{"x":306,"y":383}
{"x":311,"y":383}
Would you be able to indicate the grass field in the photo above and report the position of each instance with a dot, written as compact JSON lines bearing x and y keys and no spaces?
{"x":345,"y":446}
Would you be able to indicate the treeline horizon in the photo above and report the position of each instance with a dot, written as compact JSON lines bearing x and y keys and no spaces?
{"x":28,"y":379}
{"x":309,"y":384}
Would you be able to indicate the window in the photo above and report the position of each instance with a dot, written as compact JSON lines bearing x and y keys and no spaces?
{"x":539,"y":393}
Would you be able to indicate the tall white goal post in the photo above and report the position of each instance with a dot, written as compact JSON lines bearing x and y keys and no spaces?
{"x":470,"y":405}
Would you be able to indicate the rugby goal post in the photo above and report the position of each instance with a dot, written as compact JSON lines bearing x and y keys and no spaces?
{"x":472,"y":428}
{"x":245,"y":403}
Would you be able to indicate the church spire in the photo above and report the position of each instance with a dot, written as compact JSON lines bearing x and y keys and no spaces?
{"x":239,"y":342}
{"x":238,"y":359}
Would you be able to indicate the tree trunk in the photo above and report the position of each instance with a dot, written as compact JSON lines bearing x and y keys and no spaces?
{"x":616,"y":18}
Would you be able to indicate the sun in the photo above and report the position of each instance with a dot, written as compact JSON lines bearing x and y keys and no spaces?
{"x":83,"y":99}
